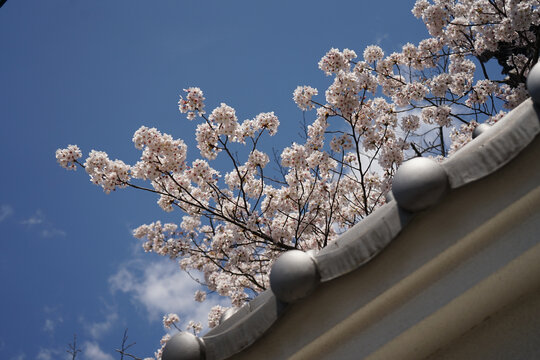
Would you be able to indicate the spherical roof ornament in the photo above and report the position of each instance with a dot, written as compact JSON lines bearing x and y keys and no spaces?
{"x":183,"y":346}
{"x":419,"y":183}
{"x":294,"y":275}
{"x":533,"y":83}
{"x":480,"y":129}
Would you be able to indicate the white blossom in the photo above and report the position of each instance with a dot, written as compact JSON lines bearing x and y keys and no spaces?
{"x":302,"y":97}
{"x":68,"y":156}
{"x":169,"y":320}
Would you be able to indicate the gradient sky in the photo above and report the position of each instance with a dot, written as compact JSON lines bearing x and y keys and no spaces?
{"x":91,"y":73}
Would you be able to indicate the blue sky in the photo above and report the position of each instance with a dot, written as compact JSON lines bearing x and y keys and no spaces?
{"x":91,"y":73}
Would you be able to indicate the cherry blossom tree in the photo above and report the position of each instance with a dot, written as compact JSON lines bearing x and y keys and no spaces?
{"x":379,"y":110}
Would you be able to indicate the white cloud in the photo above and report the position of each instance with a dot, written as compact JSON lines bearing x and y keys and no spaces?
{"x":19,"y":357}
{"x":379,"y":38}
{"x":49,"y":325}
{"x":92,"y":351}
{"x":52,"y":319}
{"x":44,"y":354}
{"x":52,"y":354}
{"x":46,"y":228}
{"x":5,"y":212}
{"x":161,"y":287}
{"x":35,"y":219}
{"x":52,"y":232}
{"x":97,"y":329}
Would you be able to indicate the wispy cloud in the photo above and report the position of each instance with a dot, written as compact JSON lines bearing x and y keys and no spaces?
{"x":161,"y":287}
{"x":98,"y":329}
{"x":19,"y":357}
{"x":50,"y":309}
{"x":46,"y":228}
{"x":35,"y":219}
{"x":92,"y":351}
{"x":52,"y":354}
{"x":50,"y":324}
{"x":5,"y":212}
{"x":380,"y":38}
{"x":52,"y":319}
{"x":44,"y":354}
{"x":52,"y":232}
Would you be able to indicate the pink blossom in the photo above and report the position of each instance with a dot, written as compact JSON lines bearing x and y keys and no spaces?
{"x":193,"y":103}
{"x":373,"y":53}
{"x":267,"y":121}
{"x":214,"y":315}
{"x":68,"y":156}
{"x":170,"y":319}
{"x":302,"y":97}
{"x":195,"y":327}
{"x":106,"y":173}
{"x":225,"y":118}
{"x":334,"y":61}
{"x":200,"y":296}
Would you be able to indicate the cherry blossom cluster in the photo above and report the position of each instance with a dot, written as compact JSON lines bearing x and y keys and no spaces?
{"x":161,"y":154}
{"x":373,"y":53}
{"x":158,"y":354}
{"x":194,"y":326}
{"x":68,"y":156}
{"x":107,"y":173}
{"x":193,"y":104}
{"x":200,"y":296}
{"x":335,"y":60}
{"x":267,"y":121}
{"x":214,"y":315}
{"x":157,"y":236}
{"x":170,"y":319}
{"x":225,"y":119}
{"x":302,"y":97}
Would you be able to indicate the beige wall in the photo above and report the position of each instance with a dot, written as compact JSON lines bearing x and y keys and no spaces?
{"x":511,"y":333}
